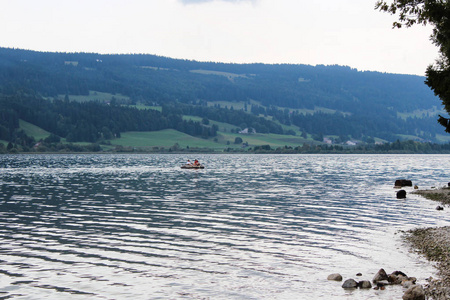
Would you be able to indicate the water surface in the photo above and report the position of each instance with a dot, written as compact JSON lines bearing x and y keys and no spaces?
{"x":246,"y":227}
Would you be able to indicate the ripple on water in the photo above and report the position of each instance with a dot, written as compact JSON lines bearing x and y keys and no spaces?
{"x":265,"y":226}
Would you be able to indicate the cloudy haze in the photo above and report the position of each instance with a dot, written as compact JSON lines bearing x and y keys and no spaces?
{"x":344,"y":32}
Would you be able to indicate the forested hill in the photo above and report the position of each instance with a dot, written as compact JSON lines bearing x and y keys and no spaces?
{"x":149,"y":78}
{"x":317,"y":100}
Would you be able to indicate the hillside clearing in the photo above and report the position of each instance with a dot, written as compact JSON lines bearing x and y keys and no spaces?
{"x":34,"y":131}
{"x":96,"y":96}
{"x":162,"y":138}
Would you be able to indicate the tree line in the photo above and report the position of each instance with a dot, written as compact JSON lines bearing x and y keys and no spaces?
{"x":397,"y":147}
{"x":239,"y":118}
{"x":366,"y":103}
{"x":87,"y":121}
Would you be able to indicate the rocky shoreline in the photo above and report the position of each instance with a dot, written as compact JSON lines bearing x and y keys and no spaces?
{"x":441,"y":195}
{"x":434,"y":244}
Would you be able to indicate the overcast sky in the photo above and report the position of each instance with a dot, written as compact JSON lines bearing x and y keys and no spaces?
{"x":343,"y":32}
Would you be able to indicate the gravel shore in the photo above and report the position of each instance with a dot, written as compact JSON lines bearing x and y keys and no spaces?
{"x":441,"y":195}
{"x":434,"y":244}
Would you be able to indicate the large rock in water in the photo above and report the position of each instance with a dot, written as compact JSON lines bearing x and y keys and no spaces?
{"x":414,"y":293}
{"x":335,"y":277}
{"x":365,"y":284}
{"x":380,"y":276}
{"x":401,"y":194}
{"x":403,"y":182}
{"x":350,"y":284}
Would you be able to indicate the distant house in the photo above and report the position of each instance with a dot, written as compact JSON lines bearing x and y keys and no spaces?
{"x":70,"y":62}
{"x":248,"y":131}
{"x":351,"y":143}
{"x":327,"y":141}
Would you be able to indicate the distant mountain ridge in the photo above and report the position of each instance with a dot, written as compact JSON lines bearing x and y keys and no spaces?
{"x":318,"y":100}
{"x":296,"y":86}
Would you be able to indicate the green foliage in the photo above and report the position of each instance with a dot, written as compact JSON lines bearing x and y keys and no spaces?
{"x":262,"y":148}
{"x":53,"y":138}
{"x":236,"y":117}
{"x":435,"y":13}
{"x":87,"y":121}
{"x":272,"y":99}
{"x":164,"y":138}
{"x":33,"y":131}
{"x":238,"y":140}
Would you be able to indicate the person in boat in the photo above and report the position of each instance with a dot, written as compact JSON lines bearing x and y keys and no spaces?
{"x":189,"y":163}
{"x":196,"y":163}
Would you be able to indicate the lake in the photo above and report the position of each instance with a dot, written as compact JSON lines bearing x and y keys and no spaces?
{"x":246,"y":227}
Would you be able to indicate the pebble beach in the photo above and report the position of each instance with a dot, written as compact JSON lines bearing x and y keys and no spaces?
{"x":434,"y":244}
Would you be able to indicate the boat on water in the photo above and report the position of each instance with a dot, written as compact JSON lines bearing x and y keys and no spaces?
{"x":192,"y":166}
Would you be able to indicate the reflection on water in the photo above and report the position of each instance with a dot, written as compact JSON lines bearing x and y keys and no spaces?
{"x":246,"y":227}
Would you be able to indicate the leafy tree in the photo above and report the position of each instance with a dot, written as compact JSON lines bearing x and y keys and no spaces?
{"x":53,"y":138}
{"x":436,"y":13}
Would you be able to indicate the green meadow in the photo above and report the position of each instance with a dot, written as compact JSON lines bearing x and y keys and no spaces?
{"x":168,"y":138}
{"x":274,"y":140}
{"x":96,"y":96}
{"x":420,"y":113}
{"x":163,"y":138}
{"x":34,"y":131}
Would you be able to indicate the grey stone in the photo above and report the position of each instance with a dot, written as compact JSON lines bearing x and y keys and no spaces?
{"x":415,"y":292}
{"x":380,"y":276}
{"x":365,"y":284}
{"x":335,"y":277}
{"x":397,"y":278}
{"x":350,"y":284}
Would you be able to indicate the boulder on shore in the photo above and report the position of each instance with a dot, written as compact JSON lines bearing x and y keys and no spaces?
{"x":415,"y":292}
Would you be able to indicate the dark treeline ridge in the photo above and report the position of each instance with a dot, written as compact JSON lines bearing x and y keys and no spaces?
{"x":87,"y":121}
{"x":150,"y":78}
{"x":360,"y":126}
{"x":397,"y":147}
{"x":357,"y":105}
{"x":238,"y":118}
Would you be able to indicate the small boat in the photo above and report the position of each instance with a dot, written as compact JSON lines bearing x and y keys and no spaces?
{"x":192,"y":166}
